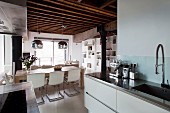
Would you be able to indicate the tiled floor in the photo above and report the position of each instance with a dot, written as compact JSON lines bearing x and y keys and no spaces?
{"x":73,"y":104}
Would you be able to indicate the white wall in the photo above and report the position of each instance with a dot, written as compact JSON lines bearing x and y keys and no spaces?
{"x":77,"y":52}
{"x":142,"y":25}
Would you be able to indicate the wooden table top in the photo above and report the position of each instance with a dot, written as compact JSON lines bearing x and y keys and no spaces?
{"x":40,"y":70}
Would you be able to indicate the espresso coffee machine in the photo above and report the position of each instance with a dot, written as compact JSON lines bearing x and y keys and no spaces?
{"x":116,"y":69}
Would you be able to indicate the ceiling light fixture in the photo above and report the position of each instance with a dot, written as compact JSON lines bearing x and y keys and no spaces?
{"x":62,"y":44}
{"x":37,"y":44}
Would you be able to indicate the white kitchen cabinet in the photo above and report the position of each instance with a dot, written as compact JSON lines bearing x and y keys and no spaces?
{"x":102,"y":92}
{"x":95,"y":106}
{"x":130,"y":104}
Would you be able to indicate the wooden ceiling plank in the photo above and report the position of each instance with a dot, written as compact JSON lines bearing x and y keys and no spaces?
{"x":77,"y":28}
{"x":41,"y":21}
{"x":107,"y":3}
{"x":51,"y":29}
{"x":112,"y":6}
{"x":46,"y":19}
{"x":33,"y":23}
{"x":86,"y":7}
{"x":81,"y":7}
{"x":78,"y":24}
{"x":51,"y":32}
{"x":42,"y":26}
{"x":54,"y":27}
{"x":89,"y":17}
{"x":75,"y":19}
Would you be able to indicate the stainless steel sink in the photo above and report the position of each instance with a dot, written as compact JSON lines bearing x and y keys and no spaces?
{"x":159,"y":92}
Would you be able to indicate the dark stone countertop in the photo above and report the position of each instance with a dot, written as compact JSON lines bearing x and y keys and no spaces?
{"x":31,"y":103}
{"x":126,"y":85}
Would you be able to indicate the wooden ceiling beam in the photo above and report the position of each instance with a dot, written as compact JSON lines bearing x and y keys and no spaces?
{"x":77,"y":28}
{"x":55,"y":20}
{"x":112,"y":6}
{"x":66,"y":33}
{"x":107,"y":3}
{"x":53,"y":26}
{"x":46,"y":19}
{"x":71,"y":28}
{"x":63,"y":17}
{"x":59,"y":28}
{"x":83,"y":7}
{"x":42,"y":26}
{"x":67,"y":28}
{"x":62,"y":12}
{"x":34,"y":22}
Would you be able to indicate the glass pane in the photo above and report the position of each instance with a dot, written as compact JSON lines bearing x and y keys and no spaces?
{"x":1,"y":53}
{"x":59,"y":54}
{"x":45,"y":55}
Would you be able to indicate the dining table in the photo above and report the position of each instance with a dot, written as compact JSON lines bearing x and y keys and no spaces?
{"x":21,"y":75}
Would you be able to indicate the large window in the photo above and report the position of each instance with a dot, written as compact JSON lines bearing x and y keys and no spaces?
{"x":5,"y":53}
{"x":51,"y":54}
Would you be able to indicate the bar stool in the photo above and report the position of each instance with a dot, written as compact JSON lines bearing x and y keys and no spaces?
{"x":55,"y":78}
{"x":38,"y":81}
{"x":72,"y":78}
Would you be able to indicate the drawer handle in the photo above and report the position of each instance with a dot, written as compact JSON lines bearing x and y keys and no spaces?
{"x":101,"y":102}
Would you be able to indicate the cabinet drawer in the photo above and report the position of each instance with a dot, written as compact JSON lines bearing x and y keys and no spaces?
{"x":129,"y":104}
{"x":102,"y":92}
{"x":94,"y":106}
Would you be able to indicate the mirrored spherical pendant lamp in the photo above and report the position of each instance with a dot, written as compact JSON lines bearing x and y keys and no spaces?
{"x":62,"y":45}
{"x":37,"y":44}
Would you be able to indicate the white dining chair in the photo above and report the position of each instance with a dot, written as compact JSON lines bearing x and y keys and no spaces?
{"x":73,"y":79}
{"x":38,"y":81}
{"x":55,"y":78}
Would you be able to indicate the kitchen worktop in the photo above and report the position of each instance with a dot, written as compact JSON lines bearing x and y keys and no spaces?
{"x":126,"y":85}
{"x":26,"y":96}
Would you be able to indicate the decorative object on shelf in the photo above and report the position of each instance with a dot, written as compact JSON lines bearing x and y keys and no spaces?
{"x":28,"y":61}
{"x":37,"y":44}
{"x":62,"y":45}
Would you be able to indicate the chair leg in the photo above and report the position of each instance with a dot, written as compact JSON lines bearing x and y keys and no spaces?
{"x":55,"y":99}
{"x":42,"y":99}
{"x":74,"y":94}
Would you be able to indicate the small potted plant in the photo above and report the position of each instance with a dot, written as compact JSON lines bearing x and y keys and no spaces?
{"x":28,"y":61}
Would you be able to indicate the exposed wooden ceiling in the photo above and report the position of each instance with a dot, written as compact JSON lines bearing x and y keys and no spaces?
{"x":75,"y":16}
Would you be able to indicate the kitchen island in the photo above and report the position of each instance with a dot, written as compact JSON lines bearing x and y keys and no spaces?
{"x":105,"y":93}
{"x":18,"y":98}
